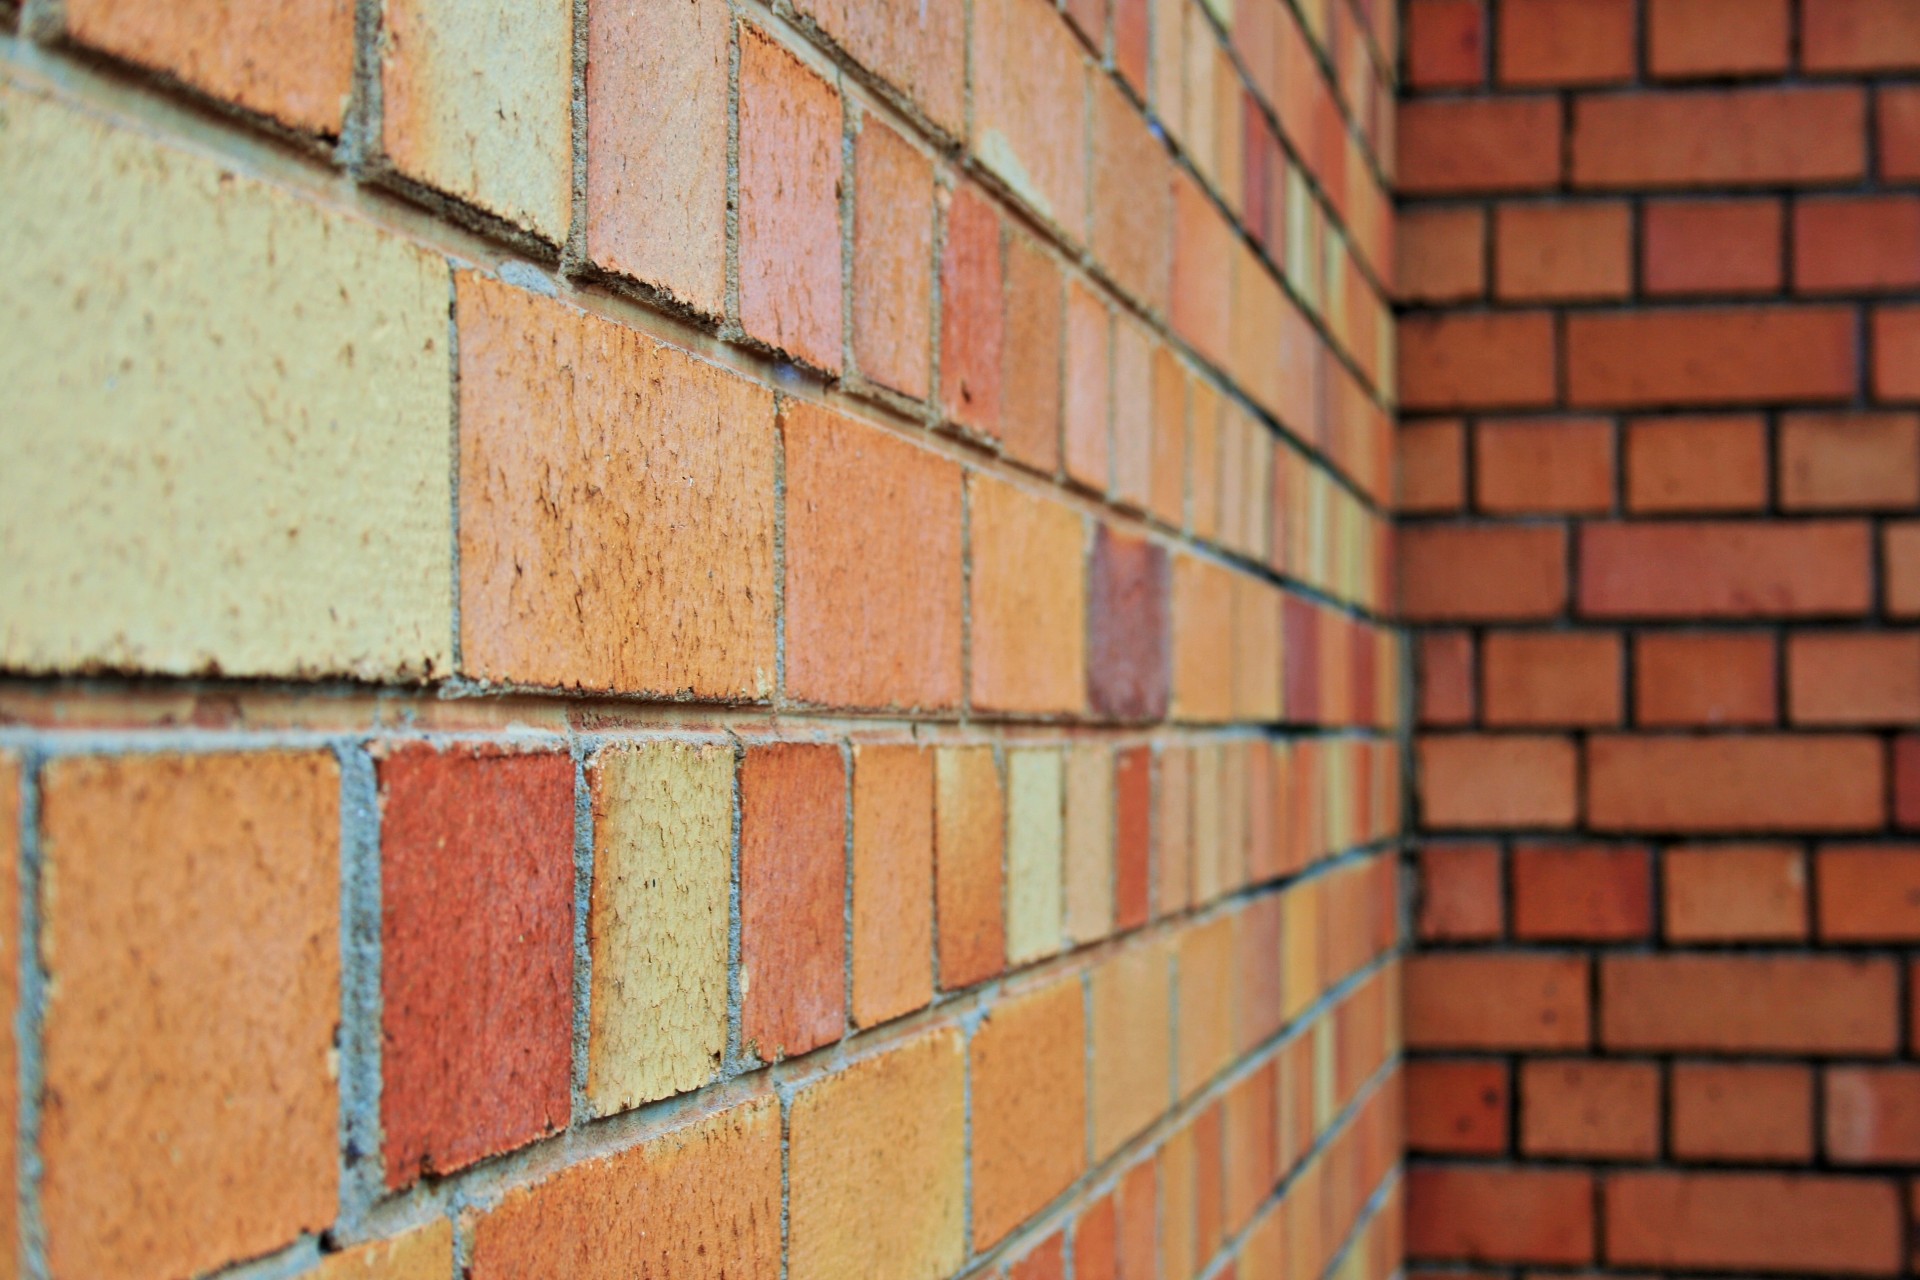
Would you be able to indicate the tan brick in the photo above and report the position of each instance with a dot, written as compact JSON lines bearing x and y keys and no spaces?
{"x":892,"y":881}
{"x":425,"y":1253}
{"x":970,"y":825}
{"x":1036,"y":838}
{"x":1132,"y":1045}
{"x":234,"y":410}
{"x":160,"y":873}
{"x":896,"y":1121}
{"x":1089,"y":853}
{"x":1030,"y":107}
{"x":892,"y":260}
{"x":662,"y":851}
{"x":1028,"y":594}
{"x":1206,"y":994}
{"x":616,"y":506}
{"x":1029,"y":1076}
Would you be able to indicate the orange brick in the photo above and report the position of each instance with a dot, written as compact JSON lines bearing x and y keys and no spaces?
{"x":1696,"y":464}
{"x":1494,"y":360}
{"x":892,"y":260}
{"x":839,"y":577}
{"x":168,"y":868}
{"x":1734,"y":783}
{"x":1712,"y":38}
{"x":789,"y":206}
{"x":1868,"y":894}
{"x":1590,"y":1109}
{"x":1028,"y":592}
{"x":1486,"y":1214}
{"x":1845,"y":678}
{"x":1704,"y":679}
{"x":1457,"y":1107}
{"x":1440,"y":254}
{"x":911,"y":46}
{"x":1132,"y":1045}
{"x":1206,"y":996}
{"x":1034,"y":341}
{"x":1087,"y":409}
{"x":1753,"y":1222}
{"x":1445,"y":670}
{"x":892,"y":881}
{"x":1560,"y":252}
{"x":1432,"y":466}
{"x":1849,"y":461}
{"x":1485,"y":1001}
{"x":1446,"y":43}
{"x":1741,"y":893}
{"x":1450,"y":573}
{"x":1724,"y":570}
{"x":1461,"y":892}
{"x":1132,"y":199}
{"x":1550,"y":679}
{"x":1248,"y":1133}
{"x":1133,"y":836}
{"x":1029,"y":106}
{"x":1741,"y":1111}
{"x":1897,"y":121}
{"x":1566,"y":42}
{"x":1046,"y":1261}
{"x":424,"y":1253}
{"x":970,"y":822}
{"x":1872,"y":1115}
{"x":1714,"y":355}
{"x":974,"y":317}
{"x":1534,"y":466}
{"x":1859,"y":35}
{"x":1900,"y":568}
{"x":1497,"y":781}
{"x":1792,"y":1005}
{"x":1711,"y":246}
{"x":1724,"y":138}
{"x":1202,"y":270}
{"x":1597,"y":893}
{"x":1029,"y":1106}
{"x":1852,"y":244}
{"x":1479,"y":145}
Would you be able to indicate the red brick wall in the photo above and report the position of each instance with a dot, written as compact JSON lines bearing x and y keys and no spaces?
{"x":1660,"y":476}
{"x":698,"y":639}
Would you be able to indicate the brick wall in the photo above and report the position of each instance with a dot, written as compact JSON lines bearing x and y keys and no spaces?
{"x":1660,"y":476}
{"x":697,"y":639}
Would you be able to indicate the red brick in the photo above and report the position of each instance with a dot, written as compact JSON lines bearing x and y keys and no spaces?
{"x":1130,"y":43}
{"x":1853,"y":244}
{"x":1724,"y":570}
{"x":1446,"y":43}
{"x":1714,"y":246}
{"x":1028,"y":601}
{"x":1432,"y":467}
{"x":1486,"y":1001}
{"x":1457,"y":1107}
{"x":1900,"y":568}
{"x":1562,"y":252}
{"x":1872,"y":1115}
{"x":1596,"y":893}
{"x":1708,"y":678}
{"x":1849,"y":461}
{"x":1717,"y":356}
{"x":1032,"y":349}
{"x":1784,"y":1005}
{"x":970,"y":823}
{"x":477,"y":954}
{"x":1713,"y":38}
{"x":1440,"y":254}
{"x":1030,"y":105}
{"x":793,"y":887}
{"x":1896,"y":353}
{"x":1588,"y":1109}
{"x":1735,"y":893}
{"x":1566,"y":42}
{"x":1906,"y":780}
{"x":973,"y":318}
{"x":1450,"y":573}
{"x":1505,"y":780}
{"x":1696,"y":464}
{"x":1029,"y":1106}
{"x":892,"y":881}
{"x":892,"y":260}
{"x":1753,"y":1222}
{"x":1538,"y":466}
{"x":1550,"y":679}
{"x":1720,"y":138}
{"x":1493,"y":360}
{"x":789,"y":210}
{"x":1897,"y":121}
{"x":1488,"y":1214}
{"x":1741,"y":1112}
{"x":1859,"y":35}
{"x":1847,"y":678}
{"x":1127,"y":646}
{"x":1734,"y":783}
{"x":1445,"y":674}
{"x":839,"y":577}
{"x":1461,"y":892}
{"x":1868,"y":894}
{"x":1132,"y":199}
{"x":910,"y":45}
{"x":1474,"y":145}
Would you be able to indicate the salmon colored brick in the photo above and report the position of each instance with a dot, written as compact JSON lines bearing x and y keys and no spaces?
{"x":1715,"y":355}
{"x":1734,"y":783}
{"x":1723,"y":138}
{"x":1492,"y":360}
{"x":1206,"y":995}
{"x":1202,"y":271}
{"x":896,"y":1120}
{"x":1897,"y":122}
{"x":1780,"y":1005}
{"x":1028,"y":600}
{"x":1895,"y":337}
{"x":1545,"y":679}
{"x":159,"y":873}
{"x":974,"y":316}
{"x":657,"y":146}
{"x":1028,"y":1078}
{"x":1540,"y":466}
{"x":1087,"y":409}
{"x":1096,"y":1241}
{"x":793,"y":887}
{"x":909,"y":45}
{"x":1458,"y":573}
{"x":425,"y":1253}
{"x":839,"y":576}
{"x":1490,"y":780}
{"x":1462,"y":898}
{"x":1737,"y":893}
{"x":1900,"y":568}
{"x":1584,"y":1109}
{"x":1593,"y":893}
{"x":1456,"y":147}
{"x":969,"y":841}
{"x":1872,"y":1115}
{"x":1719,"y":246}
{"x":789,"y":204}
{"x":1546,"y":252}
{"x":609,"y":541}
{"x":1701,"y":39}
{"x":1700,"y":570}
{"x":1132,"y":199}
{"x":1859,"y":35}
{"x":1868,"y":894}
{"x":1032,"y":350}
{"x":1844,"y":678}
{"x":1167,"y":497}
{"x":477,"y":954}
{"x":1440,"y":254}
{"x":1852,"y":461}
{"x":1431,"y":467}
{"x":1744,"y":1111}
{"x":702,"y":1201}
{"x":1854,"y":244}
{"x":1706,"y":678}
{"x":1457,"y":1107}
{"x":1753,"y":1222}
{"x":1489,"y":1214}
{"x":1445,"y":665}
{"x":1696,"y":464}
{"x":1030,"y":106}
{"x":1137,"y":1243}
{"x":1446,"y":44}
{"x":1131,"y":47}
{"x":1089,"y":848}
{"x":293,"y":62}
{"x":1565,"y":42}
{"x":892,"y":881}
{"x":1484,"y":1000}
{"x":1132,"y":1011}
{"x":892,"y":260}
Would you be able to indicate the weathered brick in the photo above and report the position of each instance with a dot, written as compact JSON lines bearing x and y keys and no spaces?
{"x":1580,"y":1108}
{"x":1753,"y":1222}
{"x":1740,"y":893}
{"x":1701,"y":570}
{"x":911,"y":46}
{"x":1127,"y":626}
{"x":892,"y":881}
{"x":973,"y":318}
{"x":970,"y":824}
{"x":892,"y":260}
{"x":1734,"y":783}
{"x":1466,"y":1000}
{"x":1030,"y":107}
{"x":1036,"y":838}
{"x":210,"y":885}
{"x":1457,"y":1106}
{"x":1028,"y":594}
{"x":1028,"y":1073}
{"x":1872,"y":1115}
{"x":1780,"y":1005}
{"x":425,"y":1253}
{"x":793,"y":878}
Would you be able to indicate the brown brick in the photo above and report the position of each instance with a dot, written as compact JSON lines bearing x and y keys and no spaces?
{"x":1742,"y":1111}
{"x":1029,"y":1099}
{"x":1481,"y":1214}
{"x":1711,"y":38}
{"x":970,"y":822}
{"x":1896,"y":353}
{"x":1872,"y":1115}
{"x":1897,"y":121}
{"x":892,"y":881}
{"x":1713,"y":246}
{"x":1487,"y":1001}
{"x":1753,"y":1222}
{"x":1849,"y":678}
{"x":910,"y":45}
{"x":1696,"y":464}
{"x":892,"y":260}
{"x":1495,"y":360}
{"x":793,"y":877}
{"x":1698,"y":570}
{"x":1566,"y":42}
{"x":1440,"y":254}
{"x":1854,"y":244}
{"x":1720,"y":356}
{"x":1900,"y":568}
{"x":1546,"y":678}
{"x":1588,"y":1109}
{"x":1450,"y":573}
{"x":1127,"y":600}
{"x":973,"y":321}
{"x":1854,"y":461}
{"x":1739,"y":893}
{"x":1734,"y":783}
{"x":1476,"y":145}
{"x":1457,"y":1107}
{"x":1562,"y":252}
{"x":1782,"y":1005}
{"x":1028,"y":600}
{"x":1868,"y":894}
{"x":1859,"y":35}
{"x":1730,"y":137}
{"x":1502,"y":780}
{"x":1705,"y":678}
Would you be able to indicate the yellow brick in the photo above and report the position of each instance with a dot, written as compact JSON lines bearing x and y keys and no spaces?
{"x":425,"y":1253}
{"x":663,"y":835}
{"x":1132,"y":1045}
{"x":1035,"y":835}
{"x":226,"y":419}
{"x":1089,"y":856}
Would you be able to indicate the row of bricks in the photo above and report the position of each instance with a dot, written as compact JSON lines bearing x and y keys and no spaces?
{"x":1542,"y":43}
{"x":473,"y":1067}
{"x":1720,"y":464}
{"x":1746,"y":1223}
{"x":1470,"y":891}
{"x":1669,"y":783}
{"x":1606,"y":250}
{"x":1708,"y":356}
{"x":1615,"y":1109}
{"x":1659,"y":570}
{"x":1550,"y":679}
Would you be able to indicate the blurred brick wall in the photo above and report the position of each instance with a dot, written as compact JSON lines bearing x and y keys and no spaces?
{"x":1660,"y":474}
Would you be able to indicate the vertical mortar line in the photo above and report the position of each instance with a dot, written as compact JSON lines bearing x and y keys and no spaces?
{"x":362,"y":1002}
{"x":29,"y":1021}
{"x":966,"y":620}
{"x":943,"y":186}
{"x":779,"y":550}
{"x":581,"y":750}
{"x":846,"y":853}
{"x":359,"y":147}
{"x":730,"y":327}
{"x":784,"y":1100}
{"x":574,"y":252}
{"x":851,"y":122}
{"x":453,"y":468}
{"x":735,"y":1060}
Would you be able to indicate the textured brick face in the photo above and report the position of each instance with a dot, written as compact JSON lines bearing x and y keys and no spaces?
{"x":1029,"y":1107}
{"x":892,"y":260}
{"x":1127,"y":603}
{"x":793,"y":877}
{"x":970,"y":815}
{"x":210,"y":884}
{"x":892,"y":881}
{"x":1028,"y":600}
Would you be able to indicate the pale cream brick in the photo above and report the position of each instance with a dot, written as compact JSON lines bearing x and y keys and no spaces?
{"x":1089,"y":849}
{"x":425,"y":1253}
{"x":1035,"y":850}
